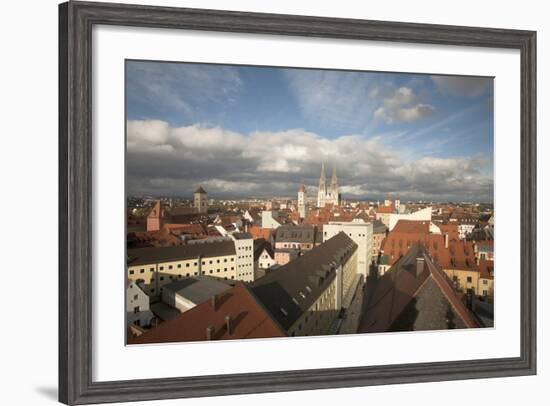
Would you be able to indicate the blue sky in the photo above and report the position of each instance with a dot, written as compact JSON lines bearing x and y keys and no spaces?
{"x":376,"y":127}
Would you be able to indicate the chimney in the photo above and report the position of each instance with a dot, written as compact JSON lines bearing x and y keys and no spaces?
{"x":446,"y":236}
{"x":419,"y":266}
{"x":214,"y":302}
{"x":209,"y":332}
{"x":228,"y":324}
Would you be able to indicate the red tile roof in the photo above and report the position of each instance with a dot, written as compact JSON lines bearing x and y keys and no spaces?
{"x":458,"y":255}
{"x":248,"y":320}
{"x":486,"y":269}
{"x":259,"y":232}
{"x":385,"y":209}
{"x":410,"y":226}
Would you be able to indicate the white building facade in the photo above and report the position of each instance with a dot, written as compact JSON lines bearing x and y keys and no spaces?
{"x":420,"y":215}
{"x":361,"y":233}
{"x":268,"y":219}
{"x":138,"y":312}
{"x":244,"y":251}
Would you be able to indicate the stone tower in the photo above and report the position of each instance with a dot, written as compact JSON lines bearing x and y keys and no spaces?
{"x":201,"y":200}
{"x":321,"y":194}
{"x":302,"y":202}
{"x":334,"y":186}
{"x":156,"y":217}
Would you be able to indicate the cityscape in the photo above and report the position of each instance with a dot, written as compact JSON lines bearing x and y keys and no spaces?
{"x":343,"y":203}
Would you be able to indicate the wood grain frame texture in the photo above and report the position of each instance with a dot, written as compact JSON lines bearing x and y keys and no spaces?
{"x":76,"y":20}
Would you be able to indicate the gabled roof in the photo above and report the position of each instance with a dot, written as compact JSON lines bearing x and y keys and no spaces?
{"x":291,"y":289}
{"x":261,"y":245}
{"x":248,"y":319}
{"x":408,"y":298}
{"x":304,"y":233}
{"x":200,"y":190}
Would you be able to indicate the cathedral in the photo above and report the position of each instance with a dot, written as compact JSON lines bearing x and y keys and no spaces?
{"x":328,"y":194}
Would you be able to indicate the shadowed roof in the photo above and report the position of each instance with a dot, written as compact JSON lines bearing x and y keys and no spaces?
{"x":291,"y":289}
{"x":402,"y":285}
{"x":141,"y":256}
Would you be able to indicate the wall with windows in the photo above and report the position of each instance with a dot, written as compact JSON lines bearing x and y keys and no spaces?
{"x":244,"y":249}
{"x":156,"y":275}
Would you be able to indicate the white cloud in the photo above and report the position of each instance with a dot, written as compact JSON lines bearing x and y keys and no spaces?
{"x":276,"y":163}
{"x":401,"y":106}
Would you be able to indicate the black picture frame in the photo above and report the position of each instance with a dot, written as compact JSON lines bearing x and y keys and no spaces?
{"x":76,"y":20}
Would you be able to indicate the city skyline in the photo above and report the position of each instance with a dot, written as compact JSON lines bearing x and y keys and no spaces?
{"x":258,"y":131}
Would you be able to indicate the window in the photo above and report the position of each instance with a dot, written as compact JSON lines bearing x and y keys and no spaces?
{"x":162,"y":278}
{"x":179,"y":265}
{"x":169,"y":266}
{"x":135,"y":297}
{"x":469,"y":279}
{"x":485,"y":293}
{"x":151,"y":269}
{"x":142,"y":270}
{"x":136,"y":309}
{"x":485,"y":281}
{"x":161,"y":268}
{"x":187,"y":265}
{"x":131,"y":272}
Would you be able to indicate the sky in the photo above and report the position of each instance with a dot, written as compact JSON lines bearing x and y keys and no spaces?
{"x":248,"y":131}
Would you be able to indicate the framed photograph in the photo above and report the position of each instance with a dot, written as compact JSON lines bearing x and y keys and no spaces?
{"x":359,"y":196}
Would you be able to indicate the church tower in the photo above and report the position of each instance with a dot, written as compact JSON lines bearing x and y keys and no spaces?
{"x":334,"y":186}
{"x":321,"y":195}
{"x":201,"y":200}
{"x":157,"y":217}
{"x":302,"y":202}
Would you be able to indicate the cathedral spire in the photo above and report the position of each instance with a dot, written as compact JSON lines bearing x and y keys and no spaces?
{"x":334,"y":181}
{"x":322,"y":179}
{"x":321,"y":194}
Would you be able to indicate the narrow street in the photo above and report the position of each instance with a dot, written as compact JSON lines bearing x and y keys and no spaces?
{"x":370,"y":287}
